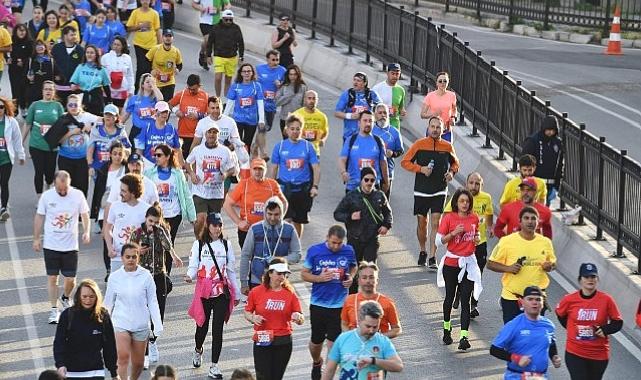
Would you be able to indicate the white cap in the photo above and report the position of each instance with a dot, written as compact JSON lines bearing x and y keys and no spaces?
{"x":227,"y":13}
{"x":280,"y":268}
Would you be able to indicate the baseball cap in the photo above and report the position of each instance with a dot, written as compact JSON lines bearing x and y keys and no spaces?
{"x":111,"y":109}
{"x":168,"y":32}
{"x":258,"y":163}
{"x":162,"y":106}
{"x":214,"y":218}
{"x":227,"y":13}
{"x":530,"y":182}
{"x":135,"y":157}
{"x":280,"y":268}
{"x":283,"y":16}
{"x":532,"y":291}
{"x":362,"y":76}
{"x":393,"y":67}
{"x":214,"y":126}
{"x":588,"y":269}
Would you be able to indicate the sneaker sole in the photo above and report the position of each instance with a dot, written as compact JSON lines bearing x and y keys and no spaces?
{"x":4,"y":217}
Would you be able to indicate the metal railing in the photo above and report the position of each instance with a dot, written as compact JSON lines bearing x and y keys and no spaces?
{"x":604,"y":181}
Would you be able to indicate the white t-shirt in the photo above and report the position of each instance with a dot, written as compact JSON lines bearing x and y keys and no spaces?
{"x":168,"y":194}
{"x":207,"y":14}
{"x":61,"y":218}
{"x":384,"y":92}
{"x":125,"y":219}
{"x":113,"y":182}
{"x":227,"y":126}
{"x":210,"y":165}
{"x":131,"y":4}
{"x":149,"y":194}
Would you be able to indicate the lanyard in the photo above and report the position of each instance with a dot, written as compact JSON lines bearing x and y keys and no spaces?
{"x":377,"y":218}
{"x":280,"y":234}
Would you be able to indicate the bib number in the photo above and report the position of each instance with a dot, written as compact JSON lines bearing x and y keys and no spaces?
{"x":532,"y":376}
{"x":359,"y":109}
{"x":294,"y":163}
{"x":309,"y":135}
{"x":166,"y":7}
{"x":103,"y":156}
{"x":246,"y":102}
{"x":259,"y":208}
{"x":3,"y":144}
{"x":365,"y":163}
{"x":584,"y":332}
{"x":164,"y":78}
{"x":337,"y":273}
{"x":145,"y":112}
{"x":269,"y":95}
{"x":264,"y":337}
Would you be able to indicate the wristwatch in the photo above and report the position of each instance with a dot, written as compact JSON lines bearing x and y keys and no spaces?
{"x":373,"y":360}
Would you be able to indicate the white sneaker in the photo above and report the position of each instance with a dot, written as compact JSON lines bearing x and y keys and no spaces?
{"x":214,"y":372}
{"x":4,"y":214}
{"x":54,"y":315}
{"x":66,"y":303}
{"x":154,"y":355}
{"x":197,"y":358}
{"x":145,"y":365}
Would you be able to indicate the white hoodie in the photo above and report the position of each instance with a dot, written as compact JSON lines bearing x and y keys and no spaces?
{"x":226,"y":262}
{"x":119,"y":64}
{"x":131,"y":300}
{"x":13,"y":139}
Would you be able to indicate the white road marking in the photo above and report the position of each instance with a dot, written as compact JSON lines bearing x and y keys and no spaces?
{"x":17,"y":239}
{"x":25,"y":302}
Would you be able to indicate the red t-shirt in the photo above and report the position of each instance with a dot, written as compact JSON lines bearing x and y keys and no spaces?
{"x":461,"y":244}
{"x":509,"y":217}
{"x":276,"y":307}
{"x":583,"y":314}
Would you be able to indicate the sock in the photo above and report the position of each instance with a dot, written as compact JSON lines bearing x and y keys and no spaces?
{"x":447,"y":325}
{"x":463,"y":333}
{"x":64,"y":297}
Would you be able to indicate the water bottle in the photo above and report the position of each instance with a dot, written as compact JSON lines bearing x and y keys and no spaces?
{"x":431,"y":164}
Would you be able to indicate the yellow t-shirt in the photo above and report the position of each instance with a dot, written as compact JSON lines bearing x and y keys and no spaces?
{"x":512,"y":192}
{"x":55,"y":36}
{"x":482,"y":208}
{"x":165,"y":63}
{"x":5,"y":40}
{"x":512,"y":247}
{"x":315,"y":126}
{"x":146,"y":39}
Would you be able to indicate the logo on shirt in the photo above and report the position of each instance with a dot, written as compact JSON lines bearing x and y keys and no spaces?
{"x":525,"y":332}
{"x":587,"y":314}
{"x":276,"y":305}
{"x":61,"y":220}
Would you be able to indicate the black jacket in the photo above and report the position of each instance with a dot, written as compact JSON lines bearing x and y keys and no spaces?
{"x":100,"y":187}
{"x":67,"y":63}
{"x":33,"y":30}
{"x":21,"y":50}
{"x":226,"y":41}
{"x":60,"y":128}
{"x":81,"y":343}
{"x":367,"y":227}
{"x":548,"y":151}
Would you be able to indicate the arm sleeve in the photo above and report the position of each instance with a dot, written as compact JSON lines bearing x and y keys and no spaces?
{"x":194,"y":262}
{"x":553,"y":351}
{"x":261,"y":110}
{"x":294,"y":249}
{"x":500,"y":353}
{"x":387,"y":214}
{"x":241,"y":44}
{"x":407,"y":162}
{"x":231,"y":268}
{"x":499,"y":226}
{"x":341,"y":213}
{"x":439,"y":240}
{"x":613,"y":327}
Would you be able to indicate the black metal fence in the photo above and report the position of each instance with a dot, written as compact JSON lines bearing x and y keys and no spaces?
{"x":605,"y":182}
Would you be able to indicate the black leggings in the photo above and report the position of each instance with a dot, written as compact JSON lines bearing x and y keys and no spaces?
{"x":142,"y":64}
{"x":44,"y":165}
{"x":5,"y":174}
{"x":481,"y":259}
{"x":218,"y":306}
{"x":18,"y":78}
{"x":105,"y":252}
{"x":365,"y":250}
{"x":450,"y":275}
{"x":270,"y":362}
{"x":585,"y":369}
{"x":247,"y":133}
{"x":174,"y":224}
{"x":79,"y":171}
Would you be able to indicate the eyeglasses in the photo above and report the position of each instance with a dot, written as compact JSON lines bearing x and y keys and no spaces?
{"x":442,"y":81}
{"x":228,"y":19}
{"x":159,"y":154}
{"x":369,"y":180}
{"x":72,"y":105}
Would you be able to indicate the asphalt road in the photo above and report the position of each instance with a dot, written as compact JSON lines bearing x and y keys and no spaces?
{"x":26,"y":338}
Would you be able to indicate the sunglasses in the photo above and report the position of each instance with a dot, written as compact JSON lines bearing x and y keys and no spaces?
{"x":228,"y":19}
{"x":442,"y":81}
{"x":159,"y":154}
{"x":72,"y":105}
{"x":369,"y":180}
{"x":274,"y":59}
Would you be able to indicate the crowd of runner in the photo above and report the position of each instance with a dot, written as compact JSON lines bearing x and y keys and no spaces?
{"x":75,"y":87}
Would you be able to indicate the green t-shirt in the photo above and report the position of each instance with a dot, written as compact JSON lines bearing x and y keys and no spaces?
{"x":219,"y":4}
{"x":394,"y":97}
{"x":4,"y":154}
{"x":41,"y":116}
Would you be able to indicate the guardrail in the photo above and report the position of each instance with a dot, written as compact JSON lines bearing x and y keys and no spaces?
{"x":604,"y":181}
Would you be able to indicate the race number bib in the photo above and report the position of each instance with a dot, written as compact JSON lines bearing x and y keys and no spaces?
{"x":392,"y":110}
{"x":264,"y":337}
{"x":309,"y":135}
{"x":246,"y":102}
{"x":103,"y":156}
{"x":259,"y":208}
{"x":269,"y":95}
{"x":359,"y":109}
{"x":145,"y":112}
{"x":337,"y":273}
{"x":294,"y":163}
{"x":532,"y":376}
{"x":585,"y":332}
{"x":166,"y":7}
{"x":164,"y":78}
{"x":378,"y":375}
{"x":365,"y":163}
{"x":3,"y":145}
{"x":191,"y":110}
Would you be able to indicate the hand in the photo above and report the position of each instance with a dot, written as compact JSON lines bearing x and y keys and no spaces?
{"x":524,"y":361}
{"x":382,"y":230}
{"x":321,"y":143}
{"x":117,"y":377}
{"x":298,"y":318}
{"x":179,"y":114}
{"x":389,"y":153}
{"x":426,"y":170}
{"x":598,"y":332}
{"x":385,"y":185}
{"x":277,"y":83}
{"x":194,"y":179}
{"x":75,"y":87}
{"x":448,"y":176}
{"x":86,"y":239}
{"x":158,"y":333}
{"x":363,"y":362}
{"x":243,"y":225}
{"x":403,"y":112}
{"x":62,"y":371}
{"x":556,"y":361}
{"x":112,"y":253}
{"x":187,"y":279}
{"x":37,"y":245}
{"x":325,"y":275}
{"x":345,"y":177}
{"x":490,"y":232}
{"x":210,"y":61}
{"x":313,"y":192}
{"x":178,"y":261}
{"x":257,"y":319}
{"x":547,"y":266}
{"x":477,"y":239}
{"x":286,"y":36}
{"x":514,"y":268}
{"x":244,"y":290}
{"x":356,"y":215}
{"x":21,"y":161}
{"x":458,"y":230}
{"x":347,"y":283}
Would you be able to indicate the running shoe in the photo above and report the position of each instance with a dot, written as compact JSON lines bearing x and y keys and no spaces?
{"x":447,"y":336}
{"x":464,"y":344}
{"x":197,"y":358}
{"x":4,"y":214}
{"x":65,"y":302}
{"x":422,"y":258}
{"x":474,"y":313}
{"x":432,"y":263}
{"x":214,"y":372}
{"x":317,"y":370}
{"x":54,"y":315}
{"x":107,"y":275}
{"x":145,"y":365}
{"x":154,"y":355}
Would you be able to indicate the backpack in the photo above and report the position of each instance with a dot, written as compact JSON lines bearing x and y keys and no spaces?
{"x":352,"y":140}
{"x":351,"y":97}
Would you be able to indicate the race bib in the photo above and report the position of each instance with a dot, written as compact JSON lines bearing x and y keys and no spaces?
{"x":337,"y":273}
{"x":166,"y":7}
{"x":163,"y":189}
{"x":585,"y":332}
{"x":44,"y":128}
{"x":264,"y":337}
{"x":365,"y":163}
{"x":192,"y":110}
{"x":532,"y":376}
{"x":145,"y":112}
{"x":164,"y":78}
{"x":309,"y":135}
{"x":3,"y":145}
{"x":269,"y":95}
{"x":103,"y":156}
{"x":246,"y":102}
{"x":259,"y":208}
{"x":210,"y":169}
{"x":81,"y":12}
{"x":359,"y":109}
{"x":211,"y":11}
{"x":294,"y":163}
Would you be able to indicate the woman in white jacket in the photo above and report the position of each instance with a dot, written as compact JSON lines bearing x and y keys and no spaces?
{"x":212,"y":264}
{"x":10,"y":146}
{"x":120,"y":70}
{"x":131,"y":301}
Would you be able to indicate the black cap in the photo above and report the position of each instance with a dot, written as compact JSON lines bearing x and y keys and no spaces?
{"x":168,"y":32}
{"x":393,"y":67}
{"x":135,"y":157}
{"x":283,"y":16}
{"x":532,"y":291}
{"x":214,"y":218}
{"x":588,"y":269}
{"x":367,"y":170}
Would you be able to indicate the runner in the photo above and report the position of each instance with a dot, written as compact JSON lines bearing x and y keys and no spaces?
{"x":458,"y":269}
{"x":524,"y":258}
{"x":250,"y":196}
{"x":228,"y":45}
{"x":144,"y":24}
{"x":125,"y":9}
{"x":10,"y":149}
{"x":120,"y":69}
{"x":117,"y":27}
{"x":511,"y":191}
{"x":296,"y":168}
{"x":18,"y":61}
{"x":527,"y":341}
{"x":67,"y":55}
{"x":368,"y":291}
{"x":393,"y":95}
{"x":149,"y":193}
{"x":271,"y":307}
{"x":330,"y":267}
{"x":267,"y":239}
{"x":210,"y":12}
{"x":228,"y":130}
{"x":290,"y":96}
{"x":434,"y":162}
{"x":392,"y":139}
{"x":166,"y":62}
{"x":192,"y":106}
{"x":212,"y":264}
{"x":271,"y":76}
{"x":590,"y":316}
{"x":208,"y":166}
{"x":364,"y":353}
{"x":103,"y":136}
{"x":132,"y":287}
{"x":353,"y":102}
{"x":315,"y":123}
{"x":41,"y":69}
{"x":141,"y":106}
{"x":284,"y":40}
{"x":37,"y":22}
{"x":50,"y":33}
{"x":57,"y":215}
{"x":99,"y":33}
{"x":159,"y":132}
{"x":442,"y":103}
{"x":508,"y":220}
{"x":92,"y":80}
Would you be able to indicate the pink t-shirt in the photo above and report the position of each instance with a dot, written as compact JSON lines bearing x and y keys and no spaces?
{"x":441,"y":104}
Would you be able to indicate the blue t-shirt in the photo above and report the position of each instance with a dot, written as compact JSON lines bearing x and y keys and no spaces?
{"x":141,"y":109}
{"x":88,"y":77}
{"x":294,"y":160}
{"x":393,"y":141}
{"x":364,"y":152}
{"x":151,"y":136}
{"x":266,"y":76}
{"x":101,"y":37}
{"x":78,"y":6}
{"x":525,"y":337}
{"x":349,"y":347}
{"x":330,"y":294}
{"x":360,"y":104}
{"x":117,"y":29}
{"x":245,"y":97}
{"x":75,"y":147}
{"x":102,"y":141}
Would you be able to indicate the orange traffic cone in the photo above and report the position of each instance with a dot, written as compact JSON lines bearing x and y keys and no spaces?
{"x":614,"y":42}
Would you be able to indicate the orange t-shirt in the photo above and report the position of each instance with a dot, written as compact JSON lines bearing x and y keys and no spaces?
{"x":276,"y":307}
{"x":251,"y":195}
{"x":461,"y":244}
{"x":441,"y":105}
{"x":349,"y":314}
{"x":188,"y":103}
